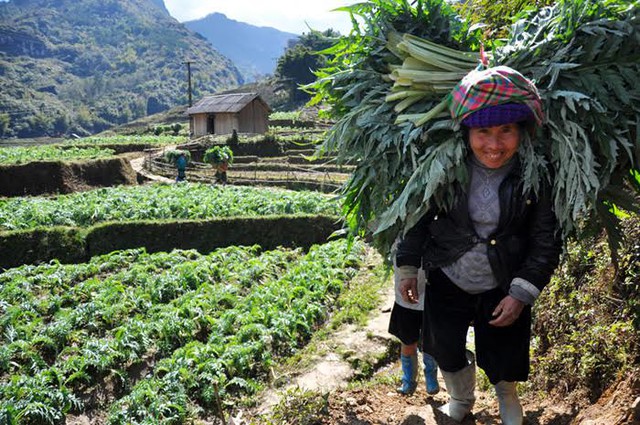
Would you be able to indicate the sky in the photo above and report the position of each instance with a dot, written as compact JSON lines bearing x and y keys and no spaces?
{"x":285,"y":15}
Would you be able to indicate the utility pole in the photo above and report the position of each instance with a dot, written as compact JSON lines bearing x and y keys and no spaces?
{"x":189,"y":78}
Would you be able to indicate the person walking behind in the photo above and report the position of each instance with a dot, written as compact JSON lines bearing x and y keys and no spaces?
{"x":221,"y":172}
{"x":405,"y":323}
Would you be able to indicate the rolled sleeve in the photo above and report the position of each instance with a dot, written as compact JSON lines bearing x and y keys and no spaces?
{"x":523,"y":290}
{"x":408,"y":272}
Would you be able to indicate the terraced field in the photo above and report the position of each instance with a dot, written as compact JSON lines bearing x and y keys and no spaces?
{"x":158,"y":202}
{"x":205,"y":329}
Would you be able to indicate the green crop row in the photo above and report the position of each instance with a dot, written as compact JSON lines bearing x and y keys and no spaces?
{"x":129,"y":140}
{"x":23,"y":155}
{"x":158,"y":202}
{"x":202,"y":326}
{"x":284,"y":115}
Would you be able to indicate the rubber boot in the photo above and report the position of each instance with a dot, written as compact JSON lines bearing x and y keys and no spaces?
{"x":409,"y":374}
{"x":460,"y":386}
{"x":430,"y":374}
{"x":510,"y":407}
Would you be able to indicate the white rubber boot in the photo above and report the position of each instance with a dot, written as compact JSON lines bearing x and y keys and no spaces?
{"x":510,"y":407}
{"x":460,"y":386}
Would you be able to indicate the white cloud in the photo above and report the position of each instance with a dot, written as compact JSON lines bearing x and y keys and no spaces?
{"x":285,"y":15}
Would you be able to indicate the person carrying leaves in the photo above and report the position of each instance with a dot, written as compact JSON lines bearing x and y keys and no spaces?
{"x":221,"y":172}
{"x":489,"y":257}
{"x":219,"y":157}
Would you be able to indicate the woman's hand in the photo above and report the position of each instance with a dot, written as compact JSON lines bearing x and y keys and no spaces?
{"x":409,"y":289}
{"x":507,"y":311}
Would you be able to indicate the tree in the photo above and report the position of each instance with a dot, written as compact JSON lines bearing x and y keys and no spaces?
{"x":60,"y":123}
{"x":5,"y":120}
{"x":296,"y":67}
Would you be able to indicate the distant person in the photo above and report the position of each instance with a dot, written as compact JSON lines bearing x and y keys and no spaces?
{"x":181,"y":165}
{"x":221,"y":172}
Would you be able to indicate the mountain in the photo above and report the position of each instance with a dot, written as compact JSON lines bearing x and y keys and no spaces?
{"x":255,"y":50}
{"x":160,"y":4}
{"x":81,"y":66}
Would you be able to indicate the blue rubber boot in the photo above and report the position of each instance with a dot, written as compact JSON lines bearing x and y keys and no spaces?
{"x":409,"y":374}
{"x":430,"y":374}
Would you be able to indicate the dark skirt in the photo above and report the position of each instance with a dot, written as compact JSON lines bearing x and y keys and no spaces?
{"x":502,"y":352}
{"x":405,"y":324}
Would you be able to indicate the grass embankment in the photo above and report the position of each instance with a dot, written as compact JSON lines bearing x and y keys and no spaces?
{"x":587,"y":320}
{"x":85,"y":148}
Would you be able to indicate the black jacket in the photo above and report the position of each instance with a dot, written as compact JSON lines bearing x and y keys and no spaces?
{"x":526,"y":243}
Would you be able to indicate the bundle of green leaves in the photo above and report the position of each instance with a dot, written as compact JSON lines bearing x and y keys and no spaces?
{"x":218,"y":154}
{"x":388,"y":87}
{"x":171,"y":156}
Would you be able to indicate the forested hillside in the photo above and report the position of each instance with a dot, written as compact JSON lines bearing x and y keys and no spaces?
{"x":81,"y":66}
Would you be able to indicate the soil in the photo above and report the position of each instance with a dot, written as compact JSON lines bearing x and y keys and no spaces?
{"x":52,"y":177}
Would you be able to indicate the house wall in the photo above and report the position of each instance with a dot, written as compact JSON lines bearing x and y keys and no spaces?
{"x":254,"y":118}
{"x":226,"y":123}
{"x":198,"y":124}
{"x":223,"y":124}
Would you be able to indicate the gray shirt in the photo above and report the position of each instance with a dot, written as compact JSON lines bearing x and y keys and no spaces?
{"x":472,"y":272}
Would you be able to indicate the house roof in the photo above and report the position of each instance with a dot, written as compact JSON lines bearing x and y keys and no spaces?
{"x":221,"y":103}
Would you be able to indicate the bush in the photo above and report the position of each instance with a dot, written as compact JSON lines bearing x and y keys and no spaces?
{"x":34,"y":246}
{"x":207,"y":235}
{"x":586,"y":320}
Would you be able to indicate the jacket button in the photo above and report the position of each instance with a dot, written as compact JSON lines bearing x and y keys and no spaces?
{"x":528,"y":201}
{"x":493,"y":242}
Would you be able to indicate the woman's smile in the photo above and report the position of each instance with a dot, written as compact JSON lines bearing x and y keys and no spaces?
{"x":495,"y":146}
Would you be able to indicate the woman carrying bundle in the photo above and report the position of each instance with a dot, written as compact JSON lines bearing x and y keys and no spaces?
{"x":489,"y":256}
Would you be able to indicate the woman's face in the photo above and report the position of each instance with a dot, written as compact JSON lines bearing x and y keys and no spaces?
{"x":495,"y":146}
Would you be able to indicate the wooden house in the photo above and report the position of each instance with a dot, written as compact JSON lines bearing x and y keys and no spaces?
{"x":223,"y":113}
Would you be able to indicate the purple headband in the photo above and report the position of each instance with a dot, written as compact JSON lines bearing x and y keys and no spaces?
{"x":492,"y":116}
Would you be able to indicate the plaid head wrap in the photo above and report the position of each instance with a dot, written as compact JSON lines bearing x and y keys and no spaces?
{"x":483,"y":89}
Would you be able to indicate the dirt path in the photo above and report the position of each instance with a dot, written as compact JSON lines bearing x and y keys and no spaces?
{"x":138,"y":166}
{"x":333,"y":371}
